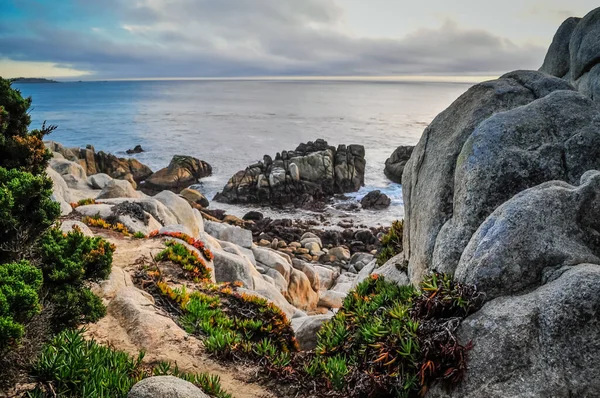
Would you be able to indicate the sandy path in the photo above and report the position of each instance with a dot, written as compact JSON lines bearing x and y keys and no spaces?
{"x":133,"y":323}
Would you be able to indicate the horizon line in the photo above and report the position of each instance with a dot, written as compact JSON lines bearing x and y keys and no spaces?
{"x":390,"y":78}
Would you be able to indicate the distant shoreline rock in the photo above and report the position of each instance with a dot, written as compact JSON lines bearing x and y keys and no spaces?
{"x":181,"y":172}
{"x":394,"y":165}
{"x":313,"y":172}
{"x":32,"y":80}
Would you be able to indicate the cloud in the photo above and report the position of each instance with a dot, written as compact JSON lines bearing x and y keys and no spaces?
{"x":190,"y":38}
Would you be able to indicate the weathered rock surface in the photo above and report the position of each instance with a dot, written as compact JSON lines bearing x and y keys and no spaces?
{"x":394,"y":165}
{"x":165,"y":386}
{"x":300,"y":292}
{"x":99,"y":181}
{"x":532,"y":237}
{"x":194,"y":197}
{"x":70,"y":225}
{"x":429,"y":183}
{"x":118,"y":189}
{"x":306,"y":329}
{"x":64,"y":166}
{"x":312,"y":172}
{"x":229,"y":233}
{"x":60,"y":192}
{"x":503,"y":192}
{"x":182,"y":211}
{"x":540,"y":344}
{"x":101,"y":162}
{"x":375,"y":200}
{"x":181,"y":172}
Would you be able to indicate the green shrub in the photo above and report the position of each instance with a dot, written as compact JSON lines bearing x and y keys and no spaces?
{"x":68,"y":262}
{"x":233,"y":324}
{"x":194,"y":265}
{"x":79,"y":368}
{"x":26,"y":211}
{"x":19,"y":148}
{"x":391,"y":243}
{"x":389,"y":340}
{"x":19,"y":286}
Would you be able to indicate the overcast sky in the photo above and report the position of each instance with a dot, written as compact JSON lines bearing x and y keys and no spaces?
{"x":229,"y":38}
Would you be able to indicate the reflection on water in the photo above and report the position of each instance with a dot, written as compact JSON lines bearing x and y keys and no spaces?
{"x":231,"y":124}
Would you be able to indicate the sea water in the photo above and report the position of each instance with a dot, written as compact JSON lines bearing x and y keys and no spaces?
{"x":232,"y":124}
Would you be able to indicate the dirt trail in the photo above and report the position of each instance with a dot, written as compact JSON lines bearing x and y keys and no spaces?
{"x":133,"y":323}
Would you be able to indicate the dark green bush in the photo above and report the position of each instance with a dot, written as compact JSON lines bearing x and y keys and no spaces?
{"x":20,"y":148}
{"x":19,"y":286}
{"x":391,"y":243}
{"x":76,"y":367}
{"x":26,"y":211}
{"x":68,"y":262}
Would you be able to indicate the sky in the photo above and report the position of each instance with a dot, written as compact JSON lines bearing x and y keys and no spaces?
{"x":125,"y":39}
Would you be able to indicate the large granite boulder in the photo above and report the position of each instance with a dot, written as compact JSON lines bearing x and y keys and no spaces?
{"x":429,"y":182}
{"x":503,"y":192}
{"x":573,"y":54}
{"x":312,"y":172}
{"x":182,"y":172}
{"x":394,"y":165}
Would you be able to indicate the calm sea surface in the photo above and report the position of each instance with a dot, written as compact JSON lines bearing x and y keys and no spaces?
{"x":231,"y":124}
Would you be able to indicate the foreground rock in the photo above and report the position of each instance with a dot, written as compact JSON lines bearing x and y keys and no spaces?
{"x":503,"y":192}
{"x":443,"y":173}
{"x":394,"y":165}
{"x":165,"y":386}
{"x":312,"y":172}
{"x":182,"y":172}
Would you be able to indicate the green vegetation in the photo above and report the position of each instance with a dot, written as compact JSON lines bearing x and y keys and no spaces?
{"x":19,"y":286}
{"x":26,"y":211}
{"x":20,"y":148}
{"x":76,"y":367}
{"x":390,"y":340}
{"x":194,"y":266}
{"x":69,"y":261}
{"x":139,"y":235}
{"x":233,"y":324}
{"x":391,"y":243}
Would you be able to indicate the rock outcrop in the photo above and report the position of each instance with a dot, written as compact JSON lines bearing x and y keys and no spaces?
{"x":312,"y":172}
{"x":503,"y":192}
{"x":181,"y":172}
{"x":573,"y":54}
{"x":102,"y":162}
{"x":394,"y":165}
{"x":431,"y":187}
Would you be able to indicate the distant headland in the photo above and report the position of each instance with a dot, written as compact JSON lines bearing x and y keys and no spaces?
{"x":32,"y":80}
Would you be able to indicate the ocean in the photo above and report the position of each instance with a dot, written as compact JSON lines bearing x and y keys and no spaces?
{"x":231,"y":124}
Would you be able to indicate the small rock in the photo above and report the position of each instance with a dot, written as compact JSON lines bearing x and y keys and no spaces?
{"x":264,"y":243}
{"x":136,"y":149}
{"x":313,"y":247}
{"x":295,"y":244}
{"x":99,"y":181}
{"x":375,"y":200}
{"x":194,"y":197}
{"x":253,"y":216}
{"x":118,"y":189}
{"x":165,"y":386}
{"x":341,"y":253}
{"x":70,"y":225}
{"x":331,"y":299}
